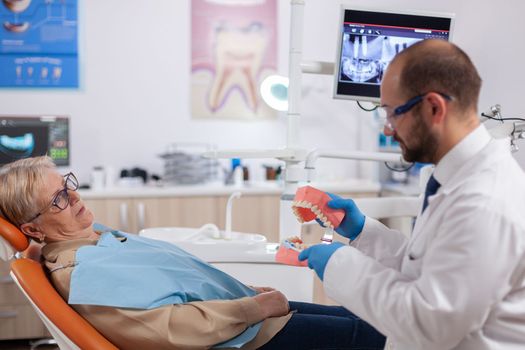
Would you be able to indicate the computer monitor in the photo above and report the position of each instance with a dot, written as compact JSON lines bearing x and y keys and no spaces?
{"x":23,"y":137}
{"x":369,"y":39}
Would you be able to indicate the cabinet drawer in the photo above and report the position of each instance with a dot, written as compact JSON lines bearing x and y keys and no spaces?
{"x":20,"y":321}
{"x":9,"y":293}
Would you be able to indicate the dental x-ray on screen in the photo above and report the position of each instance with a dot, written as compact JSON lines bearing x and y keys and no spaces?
{"x":369,"y":40}
{"x":23,"y":137}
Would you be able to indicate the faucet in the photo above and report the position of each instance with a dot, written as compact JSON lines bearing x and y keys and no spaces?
{"x":228,"y":229}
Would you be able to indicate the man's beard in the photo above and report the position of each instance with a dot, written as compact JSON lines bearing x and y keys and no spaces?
{"x":422,"y":145}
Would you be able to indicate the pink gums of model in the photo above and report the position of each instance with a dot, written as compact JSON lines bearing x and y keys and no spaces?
{"x":310,"y":203}
{"x":289,"y":251}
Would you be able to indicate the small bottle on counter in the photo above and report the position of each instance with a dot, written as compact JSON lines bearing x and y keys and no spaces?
{"x":238,"y":176}
{"x":98,"y":178}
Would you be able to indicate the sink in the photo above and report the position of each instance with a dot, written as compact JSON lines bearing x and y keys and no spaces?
{"x":202,"y":242}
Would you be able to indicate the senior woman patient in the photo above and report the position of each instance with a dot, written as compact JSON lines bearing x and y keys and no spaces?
{"x":146,"y":294}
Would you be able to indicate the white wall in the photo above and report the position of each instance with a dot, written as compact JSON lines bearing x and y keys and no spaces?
{"x":135,"y":58}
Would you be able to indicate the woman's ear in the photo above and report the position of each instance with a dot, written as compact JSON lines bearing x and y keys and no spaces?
{"x":31,"y":230}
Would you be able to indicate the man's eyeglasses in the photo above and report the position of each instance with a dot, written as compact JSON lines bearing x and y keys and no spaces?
{"x":61,"y":199}
{"x":391,"y":117}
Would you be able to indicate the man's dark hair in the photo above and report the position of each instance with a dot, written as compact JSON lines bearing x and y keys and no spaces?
{"x":436,"y":65}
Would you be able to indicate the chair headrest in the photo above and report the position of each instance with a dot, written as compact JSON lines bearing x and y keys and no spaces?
{"x":12,"y":240}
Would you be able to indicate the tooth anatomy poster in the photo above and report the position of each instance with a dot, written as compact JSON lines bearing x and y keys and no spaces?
{"x":39,"y":43}
{"x":234,"y":47}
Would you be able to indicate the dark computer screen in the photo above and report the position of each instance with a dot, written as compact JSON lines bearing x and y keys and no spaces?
{"x":23,"y":137}
{"x":369,"y":40}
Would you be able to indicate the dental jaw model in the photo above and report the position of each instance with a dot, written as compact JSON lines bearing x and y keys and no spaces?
{"x":289,"y":250}
{"x":309,"y":204}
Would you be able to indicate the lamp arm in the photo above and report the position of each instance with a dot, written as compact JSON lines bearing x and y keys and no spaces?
{"x":312,"y":157}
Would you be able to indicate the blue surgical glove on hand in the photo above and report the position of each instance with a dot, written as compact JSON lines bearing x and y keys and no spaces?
{"x":318,"y":256}
{"x":354,"y":220}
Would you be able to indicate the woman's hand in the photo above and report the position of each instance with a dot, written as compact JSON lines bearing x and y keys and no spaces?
{"x":262,"y":289}
{"x":273,"y":304}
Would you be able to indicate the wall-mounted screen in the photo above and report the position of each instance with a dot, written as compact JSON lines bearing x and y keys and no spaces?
{"x":23,"y":137}
{"x":369,"y":40}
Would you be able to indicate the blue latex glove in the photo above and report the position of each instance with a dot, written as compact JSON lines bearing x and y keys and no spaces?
{"x":318,"y":256}
{"x":354,"y":220}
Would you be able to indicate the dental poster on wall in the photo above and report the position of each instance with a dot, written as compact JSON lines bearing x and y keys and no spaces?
{"x":234,"y":47}
{"x":38,"y":43}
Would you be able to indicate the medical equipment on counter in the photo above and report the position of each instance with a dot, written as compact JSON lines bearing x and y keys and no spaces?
{"x":184,"y":165}
{"x":238,"y":176}
{"x":97,"y":178}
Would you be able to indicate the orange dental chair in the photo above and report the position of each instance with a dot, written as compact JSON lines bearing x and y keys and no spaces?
{"x":67,"y":327}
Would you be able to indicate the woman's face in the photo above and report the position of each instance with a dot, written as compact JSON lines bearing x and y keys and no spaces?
{"x":73,"y":222}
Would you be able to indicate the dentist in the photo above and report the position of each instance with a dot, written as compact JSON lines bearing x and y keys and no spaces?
{"x":459,"y":281}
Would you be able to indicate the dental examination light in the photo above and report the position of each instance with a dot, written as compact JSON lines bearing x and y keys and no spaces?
{"x":274,"y":88}
{"x":274,"y":91}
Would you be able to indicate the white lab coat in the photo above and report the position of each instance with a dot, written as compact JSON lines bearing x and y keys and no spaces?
{"x":458,"y":282}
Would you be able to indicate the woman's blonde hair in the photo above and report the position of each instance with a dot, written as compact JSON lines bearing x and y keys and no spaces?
{"x":20,"y":182}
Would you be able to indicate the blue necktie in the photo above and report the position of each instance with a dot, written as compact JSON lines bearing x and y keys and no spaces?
{"x":432,"y":187}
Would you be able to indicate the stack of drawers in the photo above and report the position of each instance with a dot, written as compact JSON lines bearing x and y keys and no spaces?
{"x":18,"y":320}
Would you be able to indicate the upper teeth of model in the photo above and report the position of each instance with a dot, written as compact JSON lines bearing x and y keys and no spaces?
{"x":314,"y":208}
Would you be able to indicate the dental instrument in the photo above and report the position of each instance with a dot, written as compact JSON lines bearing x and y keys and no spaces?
{"x":328,"y":235}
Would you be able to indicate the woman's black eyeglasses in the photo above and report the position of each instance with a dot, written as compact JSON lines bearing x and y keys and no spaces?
{"x":61,"y":198}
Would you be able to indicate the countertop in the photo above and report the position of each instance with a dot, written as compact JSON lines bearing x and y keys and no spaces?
{"x":217,"y":189}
